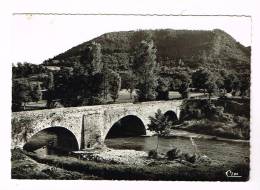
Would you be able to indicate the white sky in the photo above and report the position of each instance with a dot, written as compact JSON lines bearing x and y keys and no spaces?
{"x":39,"y":37}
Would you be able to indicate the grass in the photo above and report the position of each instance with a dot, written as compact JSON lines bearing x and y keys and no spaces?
{"x":166,"y":172}
{"x":24,"y":167}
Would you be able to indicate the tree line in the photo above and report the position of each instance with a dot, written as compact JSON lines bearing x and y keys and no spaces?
{"x":91,"y":81}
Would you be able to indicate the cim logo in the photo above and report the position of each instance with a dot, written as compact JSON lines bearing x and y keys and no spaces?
{"x":230,"y":173}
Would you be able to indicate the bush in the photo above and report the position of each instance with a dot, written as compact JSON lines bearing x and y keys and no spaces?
{"x":191,"y":113}
{"x":197,"y":113}
{"x":159,"y":123}
{"x":239,"y":119}
{"x":215,"y":113}
{"x":190,"y":157}
{"x":199,"y":109}
{"x":174,"y":154}
{"x":243,"y":126}
{"x":203,"y":159}
{"x":153,"y":154}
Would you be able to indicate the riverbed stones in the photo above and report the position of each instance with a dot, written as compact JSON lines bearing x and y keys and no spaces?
{"x":129,"y":157}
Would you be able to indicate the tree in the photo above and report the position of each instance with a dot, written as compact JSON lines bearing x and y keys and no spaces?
{"x":159,"y":124}
{"x":175,"y":84}
{"x":129,"y":82}
{"x":145,"y":68}
{"x":200,"y":78}
{"x":183,"y":81}
{"x":211,"y":87}
{"x":138,"y":37}
{"x":67,"y":85}
{"x":184,"y":90}
{"x":91,"y":59}
{"x":230,"y":82}
{"x":92,"y":78}
{"x":50,"y":88}
{"x":236,"y":85}
{"x":106,"y":71}
{"x":219,"y":83}
{"x":36,"y":93}
{"x":245,"y":85}
{"x":115,"y":85}
{"x":21,"y":93}
{"x":162,"y":89}
{"x":92,"y":90}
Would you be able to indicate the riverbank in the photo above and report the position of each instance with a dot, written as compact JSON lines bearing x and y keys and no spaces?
{"x":222,"y":119}
{"x":24,"y":167}
{"x":188,"y":134}
{"x":75,"y":168}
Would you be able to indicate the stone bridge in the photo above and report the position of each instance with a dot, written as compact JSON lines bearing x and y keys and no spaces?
{"x":88,"y":124}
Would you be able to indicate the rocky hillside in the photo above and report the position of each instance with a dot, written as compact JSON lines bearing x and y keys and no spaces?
{"x":175,"y":48}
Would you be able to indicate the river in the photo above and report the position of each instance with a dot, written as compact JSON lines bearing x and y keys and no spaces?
{"x":214,"y":149}
{"x":218,"y":150}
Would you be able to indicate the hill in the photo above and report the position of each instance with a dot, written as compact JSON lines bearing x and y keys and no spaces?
{"x":175,"y":48}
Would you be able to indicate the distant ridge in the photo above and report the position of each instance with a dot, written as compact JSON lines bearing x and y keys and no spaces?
{"x":215,"y":49}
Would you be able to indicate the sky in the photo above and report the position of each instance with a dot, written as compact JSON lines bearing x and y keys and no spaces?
{"x":36,"y":38}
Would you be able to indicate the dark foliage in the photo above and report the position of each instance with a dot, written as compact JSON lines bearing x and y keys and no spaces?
{"x":162,"y":89}
{"x":145,"y":69}
{"x":174,"y":154}
{"x":159,"y":123}
{"x":153,"y":154}
{"x":26,"y":70}
{"x":198,"y":109}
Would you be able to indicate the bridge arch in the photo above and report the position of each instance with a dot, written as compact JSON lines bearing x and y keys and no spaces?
{"x":172,"y":116}
{"x":58,"y":139}
{"x":126,"y":126}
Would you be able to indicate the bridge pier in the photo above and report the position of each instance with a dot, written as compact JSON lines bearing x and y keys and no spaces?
{"x":91,"y":130}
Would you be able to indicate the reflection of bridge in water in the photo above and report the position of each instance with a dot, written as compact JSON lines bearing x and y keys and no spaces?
{"x":90,"y":125}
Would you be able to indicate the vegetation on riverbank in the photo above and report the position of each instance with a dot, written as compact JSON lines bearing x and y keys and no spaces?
{"x":24,"y":167}
{"x":157,"y":170}
{"x":216,"y":118}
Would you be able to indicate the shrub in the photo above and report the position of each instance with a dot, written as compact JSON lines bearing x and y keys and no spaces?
{"x":174,"y":154}
{"x":239,"y":119}
{"x":190,"y":157}
{"x":243,"y":126}
{"x":159,"y":124}
{"x":153,"y":154}
{"x":203,"y":159}
{"x":196,"y":113}
{"x":191,"y":113}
